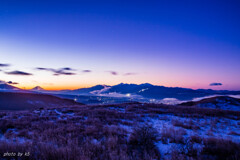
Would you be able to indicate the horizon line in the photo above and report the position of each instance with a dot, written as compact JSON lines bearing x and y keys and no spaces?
{"x":75,"y":88}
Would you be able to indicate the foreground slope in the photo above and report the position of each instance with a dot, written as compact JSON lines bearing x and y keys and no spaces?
{"x":22,"y":101}
{"x":124,"y":131}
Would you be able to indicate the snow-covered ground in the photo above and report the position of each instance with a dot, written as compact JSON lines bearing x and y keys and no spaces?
{"x":177,"y":130}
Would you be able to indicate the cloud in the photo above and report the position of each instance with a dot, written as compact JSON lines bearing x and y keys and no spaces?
{"x":86,"y":71}
{"x":11,"y":82}
{"x":215,"y":84}
{"x":68,"y":69}
{"x":19,"y":73}
{"x":57,"y":72}
{"x":113,"y":73}
{"x":63,"y":73}
{"x":125,"y":74}
{"x":4,"y":65}
{"x":129,"y":74}
{"x":45,"y":69}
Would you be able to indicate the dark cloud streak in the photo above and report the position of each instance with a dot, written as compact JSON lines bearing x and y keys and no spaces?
{"x":4,"y":65}
{"x":129,"y":74}
{"x":58,"y":72}
{"x":86,"y":71}
{"x":113,"y":73}
{"x":19,"y":73}
{"x":11,"y":82}
{"x":215,"y":84}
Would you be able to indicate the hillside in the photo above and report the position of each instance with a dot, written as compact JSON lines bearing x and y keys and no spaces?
{"x":127,"y":131}
{"x":23,"y":101}
{"x":8,"y":87}
{"x":218,"y":102}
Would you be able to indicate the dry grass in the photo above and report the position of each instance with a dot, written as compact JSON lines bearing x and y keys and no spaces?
{"x":173,"y":135}
{"x":101,"y":132}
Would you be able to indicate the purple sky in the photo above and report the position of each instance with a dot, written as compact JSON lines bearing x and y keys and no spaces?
{"x":186,"y":44}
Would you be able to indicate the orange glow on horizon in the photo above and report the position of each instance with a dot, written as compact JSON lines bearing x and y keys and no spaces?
{"x":74,"y":86}
{"x":56,"y":88}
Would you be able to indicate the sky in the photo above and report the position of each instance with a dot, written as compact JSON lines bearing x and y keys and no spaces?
{"x":72,"y":44}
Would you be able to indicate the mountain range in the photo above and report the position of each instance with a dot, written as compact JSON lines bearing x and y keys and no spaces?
{"x":144,"y":90}
{"x":11,"y":96}
{"x":147,"y":90}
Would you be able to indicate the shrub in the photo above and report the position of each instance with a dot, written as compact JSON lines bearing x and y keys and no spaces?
{"x":196,"y":139}
{"x":144,"y":135}
{"x":221,"y":149}
{"x":5,"y":125}
{"x":234,"y":133}
{"x":183,"y":152}
{"x":142,"y":142}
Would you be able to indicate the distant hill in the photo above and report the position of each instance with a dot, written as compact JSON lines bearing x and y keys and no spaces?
{"x":8,"y":87}
{"x":23,"y":101}
{"x":37,"y":88}
{"x":218,"y":102}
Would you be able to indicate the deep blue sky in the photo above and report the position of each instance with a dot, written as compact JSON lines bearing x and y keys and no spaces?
{"x":172,"y":43}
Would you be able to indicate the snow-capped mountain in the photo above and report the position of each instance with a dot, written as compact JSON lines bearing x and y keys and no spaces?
{"x":86,"y":91}
{"x":124,"y":88}
{"x":147,"y":90}
{"x":100,"y":91}
{"x":144,"y":90}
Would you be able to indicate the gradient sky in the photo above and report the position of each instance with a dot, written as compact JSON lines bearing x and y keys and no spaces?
{"x":171,"y":43}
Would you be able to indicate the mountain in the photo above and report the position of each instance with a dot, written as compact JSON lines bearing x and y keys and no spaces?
{"x":142,"y":91}
{"x":89,"y":91}
{"x":8,"y":87}
{"x":24,"y":101}
{"x":37,"y":88}
{"x":125,"y":92}
{"x":147,"y":90}
{"x":218,"y":102}
{"x":128,"y":88}
{"x":161,"y":92}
